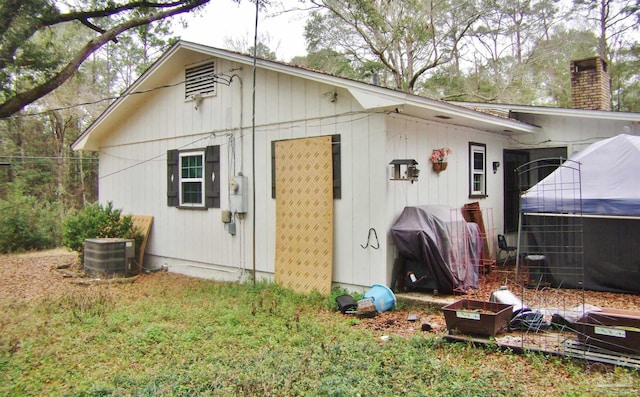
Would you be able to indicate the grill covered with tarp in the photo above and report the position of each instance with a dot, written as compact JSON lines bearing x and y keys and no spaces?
{"x":439,"y":243}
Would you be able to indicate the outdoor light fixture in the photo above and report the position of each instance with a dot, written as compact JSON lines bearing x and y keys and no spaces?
{"x":496,"y":165}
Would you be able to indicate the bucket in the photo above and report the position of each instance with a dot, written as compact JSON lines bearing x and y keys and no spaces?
{"x":383,"y":297}
{"x":537,"y":270}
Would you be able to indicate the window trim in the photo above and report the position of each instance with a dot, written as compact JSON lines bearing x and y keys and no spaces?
{"x":183,"y":180}
{"x":474,"y":148}
{"x":210,"y":178}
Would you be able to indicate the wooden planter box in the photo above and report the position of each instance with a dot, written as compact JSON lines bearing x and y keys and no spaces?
{"x":611,"y":329}
{"x":477,"y":317}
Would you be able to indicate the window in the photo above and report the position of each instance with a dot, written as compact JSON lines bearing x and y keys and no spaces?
{"x":192,"y":178}
{"x":200,"y":80}
{"x":477,"y":170}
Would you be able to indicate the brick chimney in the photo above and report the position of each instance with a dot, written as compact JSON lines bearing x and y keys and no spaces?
{"x":590,"y":84}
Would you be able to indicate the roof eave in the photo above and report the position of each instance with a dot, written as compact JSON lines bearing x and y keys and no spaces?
{"x":369,"y":96}
{"x":443,"y":112}
{"x":561,"y":112}
{"x":375,"y":97}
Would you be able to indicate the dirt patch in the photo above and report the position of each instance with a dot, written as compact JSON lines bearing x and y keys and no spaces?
{"x":395,"y":322}
{"x":546,"y":296}
{"x":44,"y":274}
{"x":404,"y":323}
{"x":36,"y":275}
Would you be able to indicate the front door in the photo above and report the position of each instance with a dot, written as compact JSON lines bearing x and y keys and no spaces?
{"x":512,"y":159}
{"x":513,"y":185}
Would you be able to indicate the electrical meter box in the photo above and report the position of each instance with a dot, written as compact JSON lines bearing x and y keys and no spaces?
{"x":238,"y":194}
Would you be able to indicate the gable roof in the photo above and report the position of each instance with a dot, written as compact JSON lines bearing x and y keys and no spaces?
{"x":370,"y":97}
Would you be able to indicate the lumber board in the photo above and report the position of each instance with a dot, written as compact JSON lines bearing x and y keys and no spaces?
{"x":143,"y":224}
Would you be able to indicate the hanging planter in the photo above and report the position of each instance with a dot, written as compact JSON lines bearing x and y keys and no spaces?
{"x":439,"y":167}
{"x":439,"y":159}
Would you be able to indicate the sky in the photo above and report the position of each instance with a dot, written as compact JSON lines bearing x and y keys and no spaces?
{"x":222,"y":20}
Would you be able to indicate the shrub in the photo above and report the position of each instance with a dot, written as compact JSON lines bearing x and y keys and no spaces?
{"x":96,"y":221}
{"x":28,"y":223}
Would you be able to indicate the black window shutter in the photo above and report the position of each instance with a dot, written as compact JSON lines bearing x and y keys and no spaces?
{"x":173,"y":178}
{"x":273,"y":169}
{"x":212,"y":177}
{"x":337,"y":166}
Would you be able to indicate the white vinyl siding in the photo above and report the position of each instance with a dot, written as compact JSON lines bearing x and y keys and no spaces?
{"x":193,"y":240}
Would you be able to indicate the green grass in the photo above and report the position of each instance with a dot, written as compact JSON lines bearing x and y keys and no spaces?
{"x":206,"y":338}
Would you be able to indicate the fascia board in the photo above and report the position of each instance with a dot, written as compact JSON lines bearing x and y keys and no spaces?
{"x":560,"y":112}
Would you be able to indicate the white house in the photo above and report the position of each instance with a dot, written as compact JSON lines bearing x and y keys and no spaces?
{"x":562,"y":131}
{"x":291,"y":174}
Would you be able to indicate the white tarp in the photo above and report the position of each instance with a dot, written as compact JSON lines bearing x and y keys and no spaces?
{"x":607,"y":182}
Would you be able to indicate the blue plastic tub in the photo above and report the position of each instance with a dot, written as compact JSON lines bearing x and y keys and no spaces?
{"x":383,"y":297}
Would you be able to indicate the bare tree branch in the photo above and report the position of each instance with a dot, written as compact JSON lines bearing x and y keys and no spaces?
{"x":407,"y":37}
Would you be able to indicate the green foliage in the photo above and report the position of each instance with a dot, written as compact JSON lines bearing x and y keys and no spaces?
{"x":41,"y":162}
{"x":38,"y":147}
{"x":409,"y":37}
{"x":495,"y":51}
{"x":196,"y":337}
{"x":97,"y":221}
{"x":28,"y":223}
{"x":624,"y":80}
{"x":39,"y":52}
{"x":18,"y":25}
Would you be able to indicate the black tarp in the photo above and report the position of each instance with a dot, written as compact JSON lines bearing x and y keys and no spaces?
{"x":584,"y":218}
{"x":439,"y":239}
{"x":608,"y":248}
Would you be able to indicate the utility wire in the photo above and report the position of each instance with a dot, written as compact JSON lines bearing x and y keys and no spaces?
{"x":216,"y":134}
{"x":265,"y":128}
{"x":47,"y":158}
{"x":219,"y":78}
{"x":154,"y":157}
